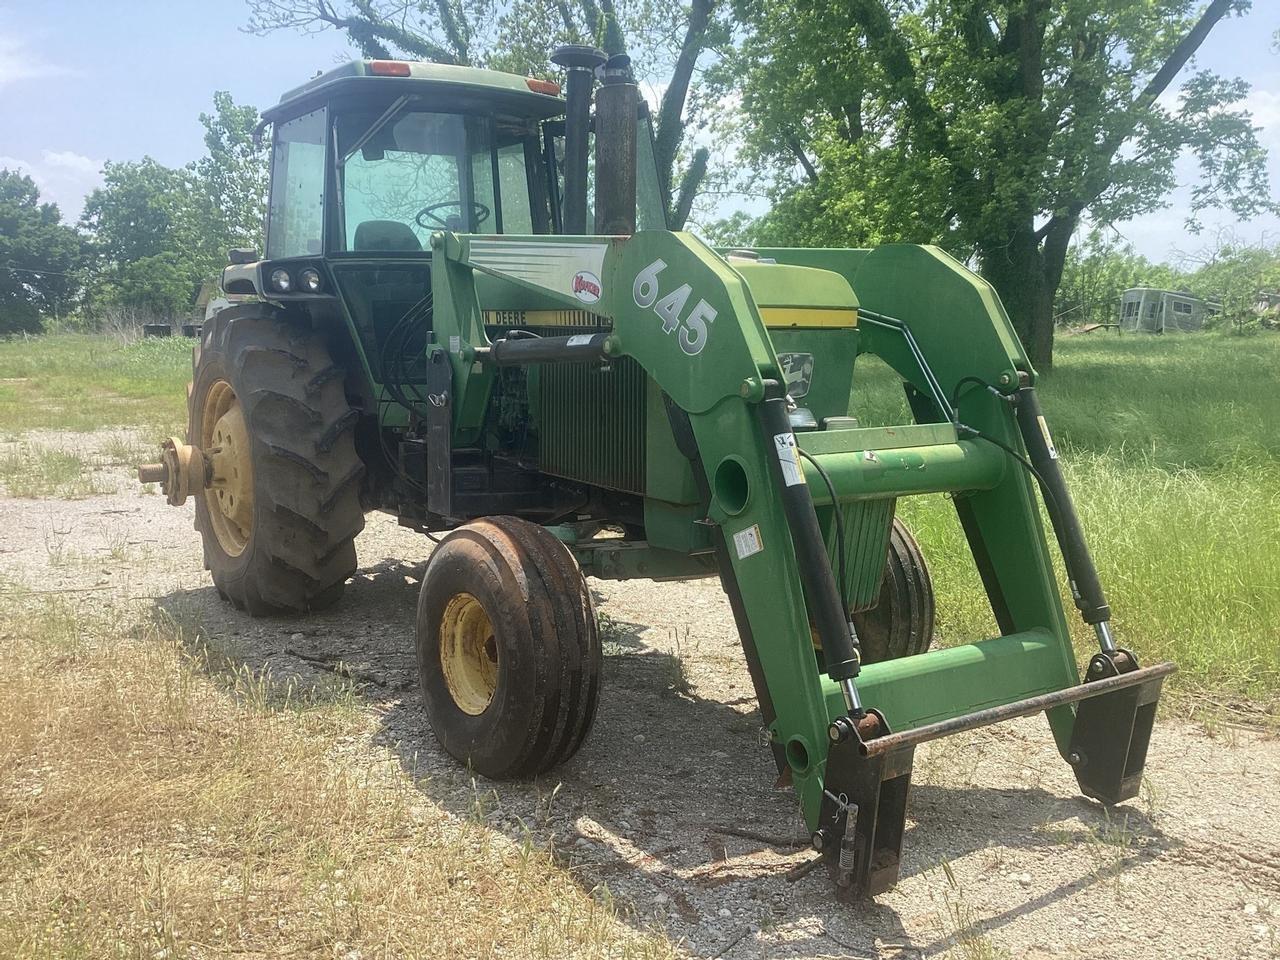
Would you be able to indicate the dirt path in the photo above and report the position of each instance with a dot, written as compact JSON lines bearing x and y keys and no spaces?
{"x":1002,"y":855}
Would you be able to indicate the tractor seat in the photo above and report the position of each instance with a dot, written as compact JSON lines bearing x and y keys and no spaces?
{"x":385,"y":235}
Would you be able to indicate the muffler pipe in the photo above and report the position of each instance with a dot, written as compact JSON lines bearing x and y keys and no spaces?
{"x":580,"y":62}
{"x":617,"y":117}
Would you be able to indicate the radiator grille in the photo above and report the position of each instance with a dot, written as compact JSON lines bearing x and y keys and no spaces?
{"x":591,"y":423}
{"x":866,"y":531}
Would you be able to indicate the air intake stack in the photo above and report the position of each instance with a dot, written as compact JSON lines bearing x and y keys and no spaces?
{"x":580,"y":62}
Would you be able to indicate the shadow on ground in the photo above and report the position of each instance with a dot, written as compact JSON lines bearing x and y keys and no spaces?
{"x":670,"y":802}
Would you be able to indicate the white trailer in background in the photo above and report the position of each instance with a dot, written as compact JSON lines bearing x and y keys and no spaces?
{"x":1150,"y":310}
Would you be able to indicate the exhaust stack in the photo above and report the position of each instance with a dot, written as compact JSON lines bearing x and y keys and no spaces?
{"x":580,"y":62}
{"x":617,"y":114}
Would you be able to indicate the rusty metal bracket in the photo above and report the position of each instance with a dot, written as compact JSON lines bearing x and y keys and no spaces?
{"x":183,"y":470}
{"x":1019,"y":708}
{"x":864,"y":810}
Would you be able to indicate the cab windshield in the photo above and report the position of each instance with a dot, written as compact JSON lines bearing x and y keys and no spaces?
{"x":404,"y":172}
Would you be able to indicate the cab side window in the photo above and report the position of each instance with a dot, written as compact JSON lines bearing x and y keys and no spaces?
{"x":295,"y":220}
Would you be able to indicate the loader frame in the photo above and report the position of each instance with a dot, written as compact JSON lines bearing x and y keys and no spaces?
{"x":941,"y":328}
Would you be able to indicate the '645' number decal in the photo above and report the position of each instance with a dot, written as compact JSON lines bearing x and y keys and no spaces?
{"x":692,"y":328}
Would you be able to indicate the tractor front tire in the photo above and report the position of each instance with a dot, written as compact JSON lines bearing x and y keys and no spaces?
{"x":901,"y":622}
{"x":280,"y":516}
{"x":508,"y":656}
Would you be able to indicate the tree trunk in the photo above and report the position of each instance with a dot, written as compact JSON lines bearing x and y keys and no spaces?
{"x":1017,"y":270}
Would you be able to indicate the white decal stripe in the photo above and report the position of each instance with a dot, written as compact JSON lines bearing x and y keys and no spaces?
{"x":550,"y":265}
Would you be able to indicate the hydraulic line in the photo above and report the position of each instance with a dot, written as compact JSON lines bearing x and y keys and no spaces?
{"x":830,"y":617}
{"x":1042,"y":463}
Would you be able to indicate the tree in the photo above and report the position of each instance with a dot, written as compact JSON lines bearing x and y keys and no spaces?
{"x":142,"y":209}
{"x":665,"y":38}
{"x":990,"y":126}
{"x":159,"y":231}
{"x":1097,"y":271}
{"x":233,"y":176}
{"x":1233,"y":273}
{"x":39,"y":257}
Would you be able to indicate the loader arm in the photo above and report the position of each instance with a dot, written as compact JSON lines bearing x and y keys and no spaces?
{"x":688,"y":318}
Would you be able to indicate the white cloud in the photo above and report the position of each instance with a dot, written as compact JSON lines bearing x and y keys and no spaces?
{"x":18,"y":63}
{"x":75,"y":163}
{"x":63,"y":176}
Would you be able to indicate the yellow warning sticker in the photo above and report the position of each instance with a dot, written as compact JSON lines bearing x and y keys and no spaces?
{"x":1048,"y":440}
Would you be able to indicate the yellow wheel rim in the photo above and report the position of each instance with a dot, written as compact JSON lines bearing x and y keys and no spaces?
{"x":468,"y":654}
{"x":224,"y":437}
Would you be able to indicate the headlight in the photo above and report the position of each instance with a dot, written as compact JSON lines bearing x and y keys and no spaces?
{"x":281,"y":282}
{"x":309,"y":280}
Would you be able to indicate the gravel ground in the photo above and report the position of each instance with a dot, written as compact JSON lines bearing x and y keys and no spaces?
{"x":671,"y":801}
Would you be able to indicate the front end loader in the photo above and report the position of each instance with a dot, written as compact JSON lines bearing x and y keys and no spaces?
{"x":434,"y":333}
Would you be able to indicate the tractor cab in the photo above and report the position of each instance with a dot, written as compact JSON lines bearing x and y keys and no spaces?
{"x":370,"y":158}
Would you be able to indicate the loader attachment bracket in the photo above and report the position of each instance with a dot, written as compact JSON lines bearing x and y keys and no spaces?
{"x":1111,"y":733}
{"x":864,"y":810}
{"x":868,"y":774}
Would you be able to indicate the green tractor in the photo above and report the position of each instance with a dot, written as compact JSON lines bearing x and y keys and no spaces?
{"x":434,"y":333}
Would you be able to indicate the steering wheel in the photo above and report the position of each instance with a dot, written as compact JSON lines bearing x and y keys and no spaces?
{"x":479,"y":214}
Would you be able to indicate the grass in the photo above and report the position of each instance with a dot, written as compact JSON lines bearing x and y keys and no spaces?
{"x":152,"y":805}
{"x":83,"y":382}
{"x":33,"y":471}
{"x":1172,"y":450}
{"x":1171,"y":444}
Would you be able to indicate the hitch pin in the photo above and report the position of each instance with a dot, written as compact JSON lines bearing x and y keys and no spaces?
{"x":1105,"y":640}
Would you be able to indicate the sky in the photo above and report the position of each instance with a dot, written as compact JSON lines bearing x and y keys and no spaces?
{"x":83,"y":81}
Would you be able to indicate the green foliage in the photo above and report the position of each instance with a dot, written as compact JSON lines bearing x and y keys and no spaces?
{"x":38,"y":257}
{"x":736,"y":230}
{"x":141,"y":210}
{"x":1097,"y":271}
{"x":158,"y":286}
{"x":1226,"y":272}
{"x":232,"y":177}
{"x":988,"y":127}
{"x":159,"y":231}
{"x":1234,"y":274}
{"x":666,"y":40}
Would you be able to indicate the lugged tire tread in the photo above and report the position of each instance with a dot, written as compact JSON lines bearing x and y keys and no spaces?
{"x":564,"y":673}
{"x":901,"y":623}
{"x":306,"y":470}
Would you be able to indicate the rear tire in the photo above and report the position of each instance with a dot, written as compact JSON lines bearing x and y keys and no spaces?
{"x":508,"y":656}
{"x":901,"y":622}
{"x":290,"y":547}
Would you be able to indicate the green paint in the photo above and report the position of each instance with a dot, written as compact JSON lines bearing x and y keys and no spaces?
{"x":780,"y":285}
{"x":963,"y":331}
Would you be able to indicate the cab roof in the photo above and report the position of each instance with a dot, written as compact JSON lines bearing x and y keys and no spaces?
{"x":465,"y":89}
